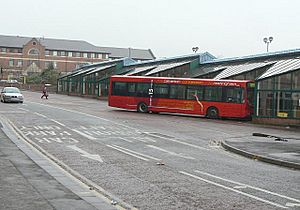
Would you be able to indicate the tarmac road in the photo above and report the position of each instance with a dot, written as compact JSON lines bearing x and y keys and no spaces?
{"x":150,"y":161}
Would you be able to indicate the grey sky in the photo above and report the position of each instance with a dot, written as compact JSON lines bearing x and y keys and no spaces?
{"x":223,"y":28}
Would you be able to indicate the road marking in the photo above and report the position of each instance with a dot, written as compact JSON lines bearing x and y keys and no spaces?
{"x":124,"y":139}
{"x":177,"y":141}
{"x":12,"y":112}
{"x":147,"y":156}
{"x":128,"y":153}
{"x":292,"y":204}
{"x":84,"y":135}
{"x":40,"y":114}
{"x":26,"y":110}
{"x":89,"y":115}
{"x":133,"y":153}
{"x":171,"y":153}
{"x":61,"y":124}
{"x":248,"y":186}
{"x":234,"y":190}
{"x":86,"y":154}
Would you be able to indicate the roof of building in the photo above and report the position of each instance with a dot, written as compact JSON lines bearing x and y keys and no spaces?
{"x":53,"y":44}
{"x":240,"y":69}
{"x":281,"y":67}
{"x":164,"y":67}
{"x":275,"y":63}
{"x":76,"y":45}
{"x":201,"y":56}
{"x":138,"y":54}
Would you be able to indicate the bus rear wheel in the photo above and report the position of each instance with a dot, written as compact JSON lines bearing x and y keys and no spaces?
{"x":212,"y":113}
{"x":142,"y":107}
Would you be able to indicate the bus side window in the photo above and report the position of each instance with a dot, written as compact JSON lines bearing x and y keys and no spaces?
{"x":195,"y":90}
{"x":161,"y":91}
{"x":142,"y":89}
{"x":232,"y":94}
{"x":119,"y":89}
{"x":131,"y":89}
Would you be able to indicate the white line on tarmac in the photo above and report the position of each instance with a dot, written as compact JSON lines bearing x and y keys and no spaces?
{"x":26,"y":110}
{"x":174,"y":140}
{"x":89,"y":115}
{"x":84,"y":135}
{"x":40,"y":114}
{"x":58,"y":122}
{"x":234,"y":190}
{"x":128,"y":153}
{"x":240,"y":185}
{"x":124,"y":139}
{"x":171,"y":153}
{"x":147,"y":156}
{"x":136,"y":153}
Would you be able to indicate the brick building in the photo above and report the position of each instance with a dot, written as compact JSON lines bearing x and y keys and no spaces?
{"x":22,"y":56}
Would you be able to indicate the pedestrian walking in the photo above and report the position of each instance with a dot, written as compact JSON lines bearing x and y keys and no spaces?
{"x":45,"y":92}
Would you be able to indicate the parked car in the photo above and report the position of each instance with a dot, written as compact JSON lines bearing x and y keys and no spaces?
{"x":11,"y":94}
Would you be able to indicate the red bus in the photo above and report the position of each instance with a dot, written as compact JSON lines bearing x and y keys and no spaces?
{"x":205,"y":97}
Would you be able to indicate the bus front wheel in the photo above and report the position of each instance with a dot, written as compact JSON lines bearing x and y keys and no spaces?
{"x":212,"y":113}
{"x":142,"y":107}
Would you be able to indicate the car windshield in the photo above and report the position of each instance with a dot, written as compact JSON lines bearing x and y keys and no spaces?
{"x":11,"y":90}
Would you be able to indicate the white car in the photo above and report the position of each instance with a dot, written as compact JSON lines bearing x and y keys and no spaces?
{"x":11,"y":94}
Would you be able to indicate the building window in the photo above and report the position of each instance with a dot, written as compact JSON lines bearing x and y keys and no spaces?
{"x":77,"y":54}
{"x":11,"y":62}
{"x":3,"y":50}
{"x":33,"y":52}
{"x":33,"y":43}
{"x":19,"y":63}
{"x":19,"y":50}
{"x":283,"y":82}
{"x":85,"y":55}
{"x":104,"y":56}
{"x":54,"y":64}
{"x":265,"y":103}
{"x":47,"y":52}
{"x":54,"y":53}
{"x":70,"y":54}
{"x":296,"y":80}
{"x":11,"y":50}
{"x":92,"y":55}
{"x":63,"y":53}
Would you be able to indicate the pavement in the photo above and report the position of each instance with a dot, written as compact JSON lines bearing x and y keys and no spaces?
{"x":280,"y":150}
{"x":29,"y":181}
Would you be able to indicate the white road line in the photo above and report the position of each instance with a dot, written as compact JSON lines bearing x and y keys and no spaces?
{"x":26,"y":110}
{"x":134,"y":152}
{"x":89,"y":115}
{"x":177,"y":141}
{"x":12,"y":112}
{"x":40,"y":114}
{"x":234,"y":190}
{"x":128,"y":153}
{"x":124,"y":139}
{"x":84,"y":135}
{"x":240,"y":185}
{"x":58,"y":122}
{"x":171,"y":153}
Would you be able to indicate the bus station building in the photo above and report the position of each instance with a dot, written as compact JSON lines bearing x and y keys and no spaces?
{"x":276,"y":75}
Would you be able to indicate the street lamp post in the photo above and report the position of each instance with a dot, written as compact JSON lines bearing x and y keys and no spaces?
{"x":267,"y":41}
{"x":195,"y":49}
